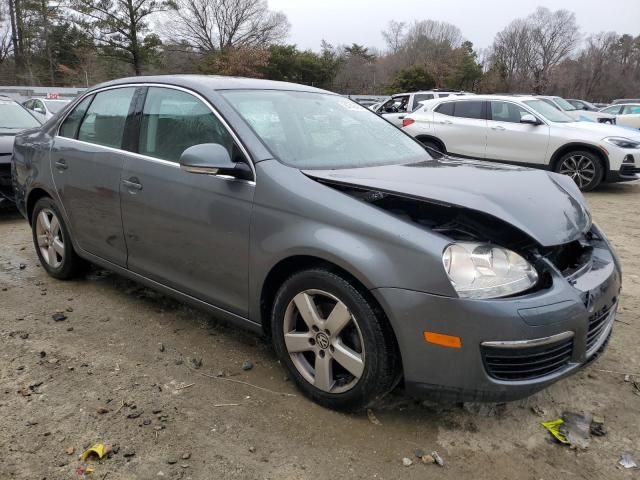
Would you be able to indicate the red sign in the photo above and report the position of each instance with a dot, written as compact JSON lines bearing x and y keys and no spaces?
{"x":53,"y":96}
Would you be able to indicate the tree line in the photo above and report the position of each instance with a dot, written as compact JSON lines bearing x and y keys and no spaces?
{"x":83,"y":42}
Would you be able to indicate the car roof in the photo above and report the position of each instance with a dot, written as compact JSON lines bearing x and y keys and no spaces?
{"x":486,"y":97}
{"x":213,"y":82}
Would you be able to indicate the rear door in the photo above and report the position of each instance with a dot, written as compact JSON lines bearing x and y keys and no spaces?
{"x":462,"y":126}
{"x":512,"y":141}
{"x":395,"y":109}
{"x":185,"y":230}
{"x":86,"y":161}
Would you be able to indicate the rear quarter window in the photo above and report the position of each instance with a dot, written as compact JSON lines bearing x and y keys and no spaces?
{"x":445,"y":108}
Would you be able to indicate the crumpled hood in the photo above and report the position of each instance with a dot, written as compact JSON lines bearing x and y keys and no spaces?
{"x":546,"y":206}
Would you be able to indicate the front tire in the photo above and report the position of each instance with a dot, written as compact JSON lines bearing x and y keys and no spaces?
{"x":53,"y":242}
{"x":338,"y":349}
{"x":584,"y":167}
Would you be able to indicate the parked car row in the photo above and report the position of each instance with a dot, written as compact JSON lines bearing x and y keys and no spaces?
{"x":300,"y":214}
{"x":527,"y":130}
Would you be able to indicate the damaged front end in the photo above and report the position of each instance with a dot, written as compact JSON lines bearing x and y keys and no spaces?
{"x":466,"y":226}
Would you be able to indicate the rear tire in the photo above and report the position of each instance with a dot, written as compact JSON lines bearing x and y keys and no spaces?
{"x":584,"y":167}
{"x":338,"y":349}
{"x":52,"y":241}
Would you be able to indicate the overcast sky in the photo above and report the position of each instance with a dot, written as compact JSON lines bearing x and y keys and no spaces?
{"x":361,"y":21}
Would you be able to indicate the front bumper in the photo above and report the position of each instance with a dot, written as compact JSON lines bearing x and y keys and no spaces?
{"x":569,"y":323}
{"x":6,"y":188}
{"x":625,"y":166}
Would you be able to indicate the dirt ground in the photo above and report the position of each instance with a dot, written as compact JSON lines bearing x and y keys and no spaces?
{"x":130,"y":353}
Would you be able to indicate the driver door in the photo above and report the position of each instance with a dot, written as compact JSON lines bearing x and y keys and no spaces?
{"x":186,"y":230}
{"x":395,"y":109}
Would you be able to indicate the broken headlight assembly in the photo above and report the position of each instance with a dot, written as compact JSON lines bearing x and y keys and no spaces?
{"x":480,"y":270}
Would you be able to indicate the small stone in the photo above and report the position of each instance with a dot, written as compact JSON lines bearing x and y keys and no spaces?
{"x":46,"y":434}
{"x":220,"y":373}
{"x":247,"y":365}
{"x":157,"y":428}
{"x":103,"y":410}
{"x":252,"y":449}
{"x":43,"y":354}
{"x":186,"y":456}
{"x":115,"y":448}
{"x":53,"y":361}
{"x":172,"y":461}
{"x":69,"y":309}
{"x":161,"y":347}
{"x":24,"y":336}
{"x":407,"y":462}
{"x":428,"y":459}
{"x":135,"y":414}
{"x":598,"y":427}
{"x":146,"y":422}
{"x":627,"y":378}
{"x":156,"y":411}
{"x":196,"y":362}
{"x":184,"y":465}
{"x":70,"y":450}
{"x":22,"y":266}
{"x":128,"y":453}
{"x":58,"y":317}
{"x":69,"y":329}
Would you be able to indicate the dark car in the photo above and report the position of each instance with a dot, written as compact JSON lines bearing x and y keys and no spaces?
{"x":299,"y":213}
{"x":13,"y":119}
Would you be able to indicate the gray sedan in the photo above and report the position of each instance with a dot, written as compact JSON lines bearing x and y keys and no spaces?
{"x":301,"y":214}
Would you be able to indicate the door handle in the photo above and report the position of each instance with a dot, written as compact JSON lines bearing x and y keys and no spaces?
{"x":132,"y":184}
{"x":498,"y":127}
{"x":446,"y":122}
{"x":401,"y":118}
{"x":61,"y":164}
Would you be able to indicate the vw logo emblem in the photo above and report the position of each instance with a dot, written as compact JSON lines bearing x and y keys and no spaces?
{"x":322,"y":340}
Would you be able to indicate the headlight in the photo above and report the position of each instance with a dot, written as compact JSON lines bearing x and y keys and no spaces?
{"x":622,"y":142}
{"x":479,"y":270}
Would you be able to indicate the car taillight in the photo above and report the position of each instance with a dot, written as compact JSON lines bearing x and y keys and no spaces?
{"x":407,"y":121}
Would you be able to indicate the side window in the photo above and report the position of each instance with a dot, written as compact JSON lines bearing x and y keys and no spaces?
{"x":421,"y":98}
{"x":173,"y":121}
{"x":469,"y":109}
{"x":506,"y":112}
{"x":442,"y":95}
{"x":631,"y":110}
{"x":69,"y":127}
{"x":105,"y":119}
{"x":445,"y":108}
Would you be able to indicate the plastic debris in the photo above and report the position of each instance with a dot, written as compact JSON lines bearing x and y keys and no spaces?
{"x":627,"y":460}
{"x":576,"y":429}
{"x":597,"y":427}
{"x":554,"y":428}
{"x":372,"y":417}
{"x":437,"y":459}
{"x":99,"y":450}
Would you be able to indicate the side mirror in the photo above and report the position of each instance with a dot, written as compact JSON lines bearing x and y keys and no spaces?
{"x":39,"y":110}
{"x":212,"y":159}
{"x":529,"y":119}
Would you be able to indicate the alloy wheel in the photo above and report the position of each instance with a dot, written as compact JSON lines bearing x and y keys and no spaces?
{"x":580,"y":168}
{"x":49,"y":237}
{"x":324,"y":341}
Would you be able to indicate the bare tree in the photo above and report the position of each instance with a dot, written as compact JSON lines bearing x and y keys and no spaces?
{"x":512,"y":51}
{"x":219,"y":25}
{"x":394,"y":35}
{"x":554,"y":36}
{"x":6,"y":45}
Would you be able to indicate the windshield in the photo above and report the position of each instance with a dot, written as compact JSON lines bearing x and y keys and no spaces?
{"x":15,"y":117}
{"x":566,"y":106}
{"x":547,"y":111}
{"x":322,"y":131}
{"x":54,"y":106}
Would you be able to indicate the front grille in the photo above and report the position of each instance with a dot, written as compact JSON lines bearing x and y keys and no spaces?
{"x":598,"y":323}
{"x":629,"y":170}
{"x":527,"y":363}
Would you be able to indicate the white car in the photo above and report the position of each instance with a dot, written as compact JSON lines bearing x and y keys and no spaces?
{"x":578,"y":113}
{"x":395,"y":108}
{"x":45,"y":108}
{"x":627,"y":115}
{"x":527,"y":131}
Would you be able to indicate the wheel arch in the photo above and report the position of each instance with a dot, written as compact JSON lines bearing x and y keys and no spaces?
{"x":32,"y":198}
{"x":575,"y":146}
{"x":434,"y":139}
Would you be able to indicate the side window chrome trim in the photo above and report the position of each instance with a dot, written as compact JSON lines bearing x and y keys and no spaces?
{"x":173,"y":87}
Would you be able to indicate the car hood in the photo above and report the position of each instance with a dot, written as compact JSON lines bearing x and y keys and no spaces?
{"x":546,"y":206}
{"x":602,"y":130}
{"x":587,"y":115}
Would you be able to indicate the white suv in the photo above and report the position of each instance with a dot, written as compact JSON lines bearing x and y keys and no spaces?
{"x":527,"y":131}
{"x":395,"y":108}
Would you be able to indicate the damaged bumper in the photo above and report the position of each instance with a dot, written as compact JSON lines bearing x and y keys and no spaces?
{"x":6,"y":189}
{"x":512,"y":347}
